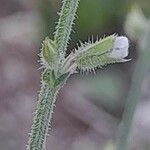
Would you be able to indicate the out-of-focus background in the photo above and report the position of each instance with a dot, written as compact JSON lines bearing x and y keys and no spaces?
{"x":89,"y":107}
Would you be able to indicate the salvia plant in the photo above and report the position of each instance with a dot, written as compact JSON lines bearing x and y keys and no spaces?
{"x":58,"y":66}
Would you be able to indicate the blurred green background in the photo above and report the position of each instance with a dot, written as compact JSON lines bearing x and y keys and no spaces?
{"x":89,"y":107}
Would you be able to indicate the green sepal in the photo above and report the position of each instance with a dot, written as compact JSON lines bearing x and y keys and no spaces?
{"x":99,"y":47}
{"x":93,"y":62}
{"x":93,"y":55}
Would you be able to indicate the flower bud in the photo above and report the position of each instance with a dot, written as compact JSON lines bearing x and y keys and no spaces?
{"x":120,"y":49}
{"x":48,"y":53}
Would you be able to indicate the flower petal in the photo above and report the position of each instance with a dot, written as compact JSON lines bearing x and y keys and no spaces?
{"x":121,"y":47}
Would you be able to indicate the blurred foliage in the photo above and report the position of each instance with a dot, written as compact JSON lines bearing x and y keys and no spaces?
{"x":95,"y":17}
{"x":136,"y":23}
{"x":48,"y":11}
{"x":109,"y":146}
{"x":106,"y":89}
{"x":144,"y":5}
{"x":139,"y":26}
{"x":100,"y":16}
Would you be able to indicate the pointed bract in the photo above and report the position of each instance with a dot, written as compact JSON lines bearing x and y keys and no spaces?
{"x":48,"y":53}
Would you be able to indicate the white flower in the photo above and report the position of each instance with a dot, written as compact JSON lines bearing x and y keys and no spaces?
{"x":120,"y":49}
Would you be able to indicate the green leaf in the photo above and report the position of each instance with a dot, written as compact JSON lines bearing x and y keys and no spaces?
{"x":97,"y":85}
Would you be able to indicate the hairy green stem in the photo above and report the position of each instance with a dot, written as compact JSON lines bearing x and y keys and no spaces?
{"x":64,"y":26}
{"x":53,"y":78}
{"x":42,"y":118}
{"x":141,"y":68}
{"x":43,"y":114}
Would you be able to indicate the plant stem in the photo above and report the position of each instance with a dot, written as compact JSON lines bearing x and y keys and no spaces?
{"x":64,"y":26}
{"x":42,"y":117}
{"x":43,"y":114}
